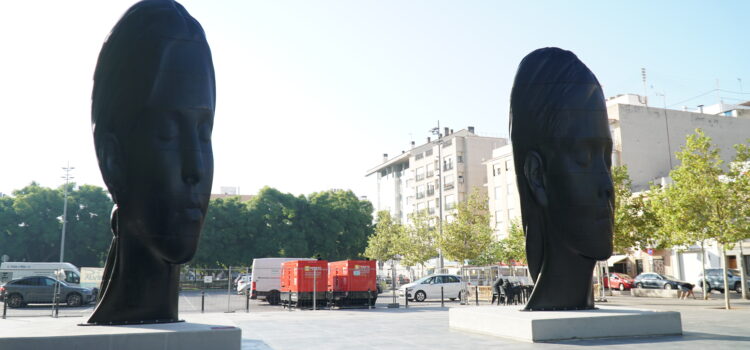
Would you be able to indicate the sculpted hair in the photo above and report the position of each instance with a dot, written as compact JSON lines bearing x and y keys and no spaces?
{"x":130,"y":60}
{"x":551,"y":91}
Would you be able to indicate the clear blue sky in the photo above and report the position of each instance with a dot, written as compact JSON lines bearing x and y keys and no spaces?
{"x":312,"y":93}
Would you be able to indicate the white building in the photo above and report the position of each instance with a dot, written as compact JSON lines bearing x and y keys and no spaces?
{"x":413,"y":180}
{"x":504,"y":205}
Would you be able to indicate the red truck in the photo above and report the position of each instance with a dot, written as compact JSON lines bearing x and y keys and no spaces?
{"x":352,"y":282}
{"x":303,"y":281}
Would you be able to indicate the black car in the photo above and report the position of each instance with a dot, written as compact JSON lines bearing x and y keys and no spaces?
{"x":656,"y":280}
{"x":40,"y":289}
{"x":715,"y":281}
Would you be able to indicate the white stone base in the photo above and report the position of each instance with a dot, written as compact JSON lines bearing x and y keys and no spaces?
{"x":537,"y":326}
{"x":655,"y":293}
{"x":64,"y":333}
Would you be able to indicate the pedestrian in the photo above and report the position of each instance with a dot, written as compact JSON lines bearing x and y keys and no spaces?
{"x":686,"y":290}
{"x":496,"y":286}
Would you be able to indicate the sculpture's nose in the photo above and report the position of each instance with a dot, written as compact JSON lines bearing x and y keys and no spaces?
{"x":192,"y":161}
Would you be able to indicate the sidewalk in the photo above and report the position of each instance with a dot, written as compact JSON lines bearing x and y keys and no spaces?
{"x":705,"y":325}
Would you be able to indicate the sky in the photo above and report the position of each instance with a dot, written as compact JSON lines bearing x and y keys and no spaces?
{"x":310,"y":94}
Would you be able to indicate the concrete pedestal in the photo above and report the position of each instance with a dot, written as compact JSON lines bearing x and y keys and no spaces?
{"x":65,"y":334}
{"x":538,"y":326}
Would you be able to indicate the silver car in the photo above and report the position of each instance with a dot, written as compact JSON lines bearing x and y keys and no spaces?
{"x":41,"y":289}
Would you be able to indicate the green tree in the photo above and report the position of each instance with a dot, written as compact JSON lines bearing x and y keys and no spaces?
{"x":8,"y":226}
{"x":470,"y":234}
{"x":37,"y":237}
{"x":419,"y":243}
{"x":88,"y":231}
{"x":698,"y":206}
{"x":344,"y":223}
{"x":513,"y":248}
{"x":636,"y":225}
{"x":386,"y":243}
{"x":226,"y":238}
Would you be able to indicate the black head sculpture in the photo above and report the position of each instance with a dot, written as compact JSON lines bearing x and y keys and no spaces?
{"x":152,"y":116}
{"x":562,"y":149}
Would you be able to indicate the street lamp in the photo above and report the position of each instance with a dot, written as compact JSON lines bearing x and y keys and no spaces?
{"x":67,"y":178}
{"x":439,"y":142}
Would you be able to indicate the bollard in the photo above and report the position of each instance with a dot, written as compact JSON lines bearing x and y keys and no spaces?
{"x":229,"y":287}
{"x":247,"y":301}
{"x":57,"y":300}
{"x":203,"y":300}
{"x":5,"y":304}
{"x":406,"y":298}
{"x":314,"y":289}
{"x":476,"y":294}
{"x":442,"y":300}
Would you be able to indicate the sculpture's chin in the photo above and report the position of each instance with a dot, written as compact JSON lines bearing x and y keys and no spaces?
{"x":175,"y":250}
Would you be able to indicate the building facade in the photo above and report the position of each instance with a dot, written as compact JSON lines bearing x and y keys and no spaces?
{"x":504,"y":205}
{"x":435,"y":175}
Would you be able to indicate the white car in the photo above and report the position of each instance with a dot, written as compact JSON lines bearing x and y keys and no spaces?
{"x":243,"y":283}
{"x":429,"y":287}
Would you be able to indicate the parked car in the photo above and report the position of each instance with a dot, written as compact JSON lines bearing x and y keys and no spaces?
{"x":716,"y":282}
{"x":619,"y":281}
{"x":657,"y":280}
{"x":429,"y":287}
{"x":243,"y":283}
{"x":41,"y":289}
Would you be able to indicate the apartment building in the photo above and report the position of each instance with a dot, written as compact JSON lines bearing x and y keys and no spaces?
{"x":451,"y":165}
{"x":504,"y":205}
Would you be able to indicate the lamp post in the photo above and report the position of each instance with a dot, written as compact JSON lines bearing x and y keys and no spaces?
{"x":439,"y":142}
{"x":67,"y":178}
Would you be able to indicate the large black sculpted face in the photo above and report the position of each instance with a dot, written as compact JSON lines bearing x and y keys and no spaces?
{"x":579,"y":186}
{"x":168,"y":157}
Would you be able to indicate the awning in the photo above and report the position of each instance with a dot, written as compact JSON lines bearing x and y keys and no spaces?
{"x":614,"y":259}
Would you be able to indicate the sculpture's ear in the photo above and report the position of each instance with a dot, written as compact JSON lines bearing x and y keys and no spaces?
{"x":111,"y":164}
{"x":533,"y":170}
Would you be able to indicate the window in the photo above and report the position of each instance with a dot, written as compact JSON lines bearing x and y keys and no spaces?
{"x":498,"y":219}
{"x":448,"y":163}
{"x":431,"y":207}
{"x":450,"y":202}
{"x":430,"y":170}
{"x":459,"y":158}
{"x":448,"y":182}
{"x":431,"y":189}
{"x":452,"y":279}
{"x":428,"y":153}
{"x":496,"y":170}
{"x":420,"y":191}
{"x":48,"y":282}
{"x":498,"y":192}
{"x":508,"y":165}
{"x":420,"y":207}
{"x":419,"y":156}
{"x":447,"y":143}
{"x":420,"y":173}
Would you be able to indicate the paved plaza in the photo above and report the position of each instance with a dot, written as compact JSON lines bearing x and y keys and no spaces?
{"x":425,"y":326}
{"x":705,"y":325}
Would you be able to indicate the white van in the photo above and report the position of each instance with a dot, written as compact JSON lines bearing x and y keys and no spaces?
{"x":266,"y":278}
{"x":15,"y":270}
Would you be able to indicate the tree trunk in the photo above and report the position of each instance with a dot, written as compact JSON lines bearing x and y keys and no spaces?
{"x":742,"y":273}
{"x":726,"y":279}
{"x":703,"y":266}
